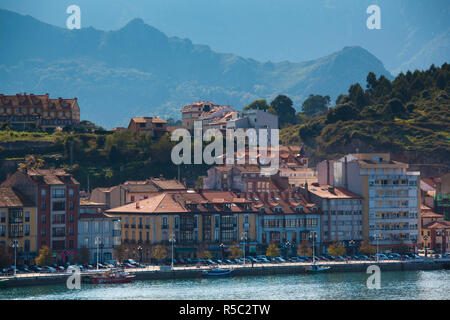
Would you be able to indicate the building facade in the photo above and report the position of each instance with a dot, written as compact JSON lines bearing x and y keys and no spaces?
{"x":204,"y":111}
{"x":132,"y":191}
{"x":212,"y":220}
{"x":391,"y":196}
{"x":97,"y":232}
{"x":286,"y":219}
{"x":154,"y":126}
{"x":22,"y":111}
{"x":56,"y":194}
{"x":18,"y":221}
{"x":342,"y":218}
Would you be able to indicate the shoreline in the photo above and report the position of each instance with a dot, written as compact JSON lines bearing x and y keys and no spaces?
{"x":153,"y":273}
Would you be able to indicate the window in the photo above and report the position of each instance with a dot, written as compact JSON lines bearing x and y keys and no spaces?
{"x":43,"y":206}
{"x":2,"y":217}
{"x":59,"y":206}
{"x":43,"y":193}
{"x":71,"y":193}
{"x":27,"y":216}
{"x":2,"y":231}
{"x":43,"y":219}
{"x":59,"y":193}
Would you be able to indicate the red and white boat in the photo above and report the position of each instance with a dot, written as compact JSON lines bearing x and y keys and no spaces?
{"x":112,"y":277}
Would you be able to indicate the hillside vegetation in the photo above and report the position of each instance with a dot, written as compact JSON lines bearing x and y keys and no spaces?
{"x":409,"y":117}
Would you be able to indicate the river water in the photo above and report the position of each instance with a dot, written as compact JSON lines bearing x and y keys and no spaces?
{"x":351,"y":285}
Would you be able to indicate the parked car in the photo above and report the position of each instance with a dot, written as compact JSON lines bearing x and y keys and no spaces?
{"x":364,"y":257}
{"x":381,"y":256}
{"x":280,"y":259}
{"x":48,"y":269}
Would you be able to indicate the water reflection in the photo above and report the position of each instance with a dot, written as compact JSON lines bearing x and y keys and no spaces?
{"x":394,"y":285}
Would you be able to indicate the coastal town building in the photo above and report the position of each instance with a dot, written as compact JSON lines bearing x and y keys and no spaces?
{"x":243,"y":178}
{"x":342,"y":219}
{"x":18,"y":222}
{"x":194,"y":219}
{"x":97,"y":232}
{"x":29,"y":111}
{"x":286,"y":219}
{"x":253,"y":119}
{"x":442,"y":197}
{"x":391,"y":196}
{"x":154,"y":126}
{"x":56,"y":195}
{"x":131,"y":191}
{"x":433,"y":231}
{"x":205,"y":111}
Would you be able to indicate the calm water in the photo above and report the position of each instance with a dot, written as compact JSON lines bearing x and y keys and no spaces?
{"x":394,"y":285}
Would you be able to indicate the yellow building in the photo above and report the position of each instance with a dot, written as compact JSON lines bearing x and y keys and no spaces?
{"x":18,"y":222}
{"x":210,"y":220}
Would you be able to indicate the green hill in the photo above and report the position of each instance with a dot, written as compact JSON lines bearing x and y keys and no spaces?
{"x":409,"y":117}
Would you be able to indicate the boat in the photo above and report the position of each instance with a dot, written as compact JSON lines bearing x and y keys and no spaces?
{"x":112,"y":277}
{"x":318,"y":269}
{"x":217,"y":272}
{"x":3,"y":282}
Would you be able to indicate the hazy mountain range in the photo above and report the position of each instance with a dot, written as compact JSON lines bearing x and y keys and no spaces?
{"x":138,"y":70}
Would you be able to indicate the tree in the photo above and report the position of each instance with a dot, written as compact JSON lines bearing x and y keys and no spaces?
{"x":282,"y":105}
{"x":260,"y":104}
{"x":45,"y":256}
{"x":272,"y":250}
{"x":6,"y":258}
{"x":236,"y":251}
{"x":304,"y":249}
{"x":343,"y":112}
{"x":204,"y":254}
{"x":336,"y":249}
{"x":315,"y":104}
{"x":119,"y":252}
{"x":159,"y":253}
{"x":356,"y":94}
{"x":394,"y":108}
{"x":371,"y":82}
{"x":366,"y":248}
{"x":83,"y":255}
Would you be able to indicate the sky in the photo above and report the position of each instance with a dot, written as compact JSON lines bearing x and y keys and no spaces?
{"x":275,"y":30}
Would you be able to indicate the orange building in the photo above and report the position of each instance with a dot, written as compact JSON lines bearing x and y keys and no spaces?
{"x":22,"y":111}
{"x":154,"y":126}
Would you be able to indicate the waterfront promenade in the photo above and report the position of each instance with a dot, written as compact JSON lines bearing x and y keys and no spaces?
{"x":187,"y":272}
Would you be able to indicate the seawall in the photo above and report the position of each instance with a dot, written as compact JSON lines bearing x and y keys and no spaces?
{"x":260,"y":270}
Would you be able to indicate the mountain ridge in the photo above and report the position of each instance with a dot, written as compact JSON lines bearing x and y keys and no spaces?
{"x":138,"y":70}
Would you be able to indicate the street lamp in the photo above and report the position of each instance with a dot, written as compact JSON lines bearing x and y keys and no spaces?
{"x":97,"y":242}
{"x":287,"y":245}
{"x":15,"y":245}
{"x":312,"y":235}
{"x":221,"y":250}
{"x":139,"y":248}
{"x":376,"y":237}
{"x":244,"y":238}
{"x":172,"y":240}
{"x":425,"y":244}
{"x":352,"y":244}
